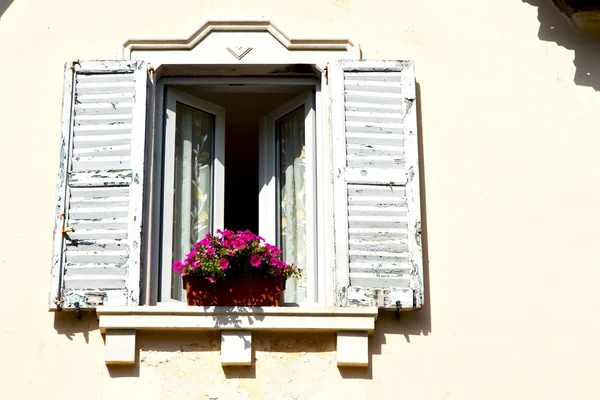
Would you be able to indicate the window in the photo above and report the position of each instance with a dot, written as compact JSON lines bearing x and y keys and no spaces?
{"x":215,"y":177}
{"x":338,"y":180}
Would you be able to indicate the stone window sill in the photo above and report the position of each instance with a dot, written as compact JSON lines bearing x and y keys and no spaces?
{"x":236,"y":324}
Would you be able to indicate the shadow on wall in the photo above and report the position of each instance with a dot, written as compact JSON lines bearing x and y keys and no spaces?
{"x":4,"y":4}
{"x":413,"y":323}
{"x":65,"y":323}
{"x":555,"y":27}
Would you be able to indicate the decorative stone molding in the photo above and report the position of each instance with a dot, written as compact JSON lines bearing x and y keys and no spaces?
{"x":231,"y":41}
{"x":352,"y":326}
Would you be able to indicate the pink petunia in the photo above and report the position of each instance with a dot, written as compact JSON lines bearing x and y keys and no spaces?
{"x":238,"y":244}
{"x":223,"y":263}
{"x":255,"y":260}
{"x":210,"y":251}
{"x":211,"y":279}
{"x":178,"y":266}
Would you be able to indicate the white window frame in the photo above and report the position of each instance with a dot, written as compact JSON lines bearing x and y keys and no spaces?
{"x":161,"y":242}
{"x":268,"y":156}
{"x":174,"y":96}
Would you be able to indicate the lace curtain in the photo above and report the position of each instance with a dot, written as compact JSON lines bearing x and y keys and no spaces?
{"x":292,"y":199}
{"x":193,"y":184}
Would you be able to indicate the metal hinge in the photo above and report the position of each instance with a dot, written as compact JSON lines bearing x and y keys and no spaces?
{"x":151,"y":72}
{"x":418,"y":232}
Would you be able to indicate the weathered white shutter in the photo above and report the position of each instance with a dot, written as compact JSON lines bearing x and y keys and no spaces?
{"x":377,"y":213}
{"x":96,"y":258}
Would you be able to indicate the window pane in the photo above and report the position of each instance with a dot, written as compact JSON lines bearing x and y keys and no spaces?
{"x":292,"y":199}
{"x":192,"y":199}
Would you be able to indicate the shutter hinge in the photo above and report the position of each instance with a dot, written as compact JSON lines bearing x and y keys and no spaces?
{"x":151,"y":72}
{"x":58,"y":304}
{"x":77,"y":311}
{"x":418,"y":232}
{"x":398,"y":309}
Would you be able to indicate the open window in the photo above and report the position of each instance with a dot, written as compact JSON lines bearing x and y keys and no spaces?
{"x":239,"y":154}
{"x":335,"y":184}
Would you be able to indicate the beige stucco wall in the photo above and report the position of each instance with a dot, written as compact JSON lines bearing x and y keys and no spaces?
{"x":509,"y":104}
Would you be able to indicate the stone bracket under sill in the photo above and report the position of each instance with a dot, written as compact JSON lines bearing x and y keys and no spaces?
{"x":236,"y":324}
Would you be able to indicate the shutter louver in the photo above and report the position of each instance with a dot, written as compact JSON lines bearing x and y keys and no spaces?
{"x":97,"y":239}
{"x":376,"y":184}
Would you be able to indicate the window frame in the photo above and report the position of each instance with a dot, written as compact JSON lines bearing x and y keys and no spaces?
{"x":153,"y":283}
{"x":269,"y":197}
{"x":172,"y":97}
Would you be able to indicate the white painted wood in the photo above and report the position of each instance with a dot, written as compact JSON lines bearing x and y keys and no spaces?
{"x":174,"y":96}
{"x":269,"y":46}
{"x":236,"y":348}
{"x":181,"y":317}
{"x":322,"y":197}
{"x":56,"y":273}
{"x":268,"y":182}
{"x":154,"y":197}
{"x":236,"y":324}
{"x":352,"y":349}
{"x":376,"y":184}
{"x":120,"y":347}
{"x":100,"y":194}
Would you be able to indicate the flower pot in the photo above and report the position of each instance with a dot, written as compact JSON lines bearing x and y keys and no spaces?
{"x":247,"y":291}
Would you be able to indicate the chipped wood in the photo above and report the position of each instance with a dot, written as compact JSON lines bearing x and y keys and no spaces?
{"x":99,"y":205}
{"x":376,"y":184}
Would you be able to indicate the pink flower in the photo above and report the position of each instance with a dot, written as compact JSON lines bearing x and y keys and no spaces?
{"x":178,"y":266}
{"x":223,"y":263}
{"x":210,"y":251}
{"x":211,"y":279}
{"x":273,"y":249}
{"x":238,"y":244}
{"x":255,"y":260}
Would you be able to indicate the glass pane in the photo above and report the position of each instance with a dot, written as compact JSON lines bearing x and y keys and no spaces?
{"x":292,"y":199}
{"x":192,"y":199}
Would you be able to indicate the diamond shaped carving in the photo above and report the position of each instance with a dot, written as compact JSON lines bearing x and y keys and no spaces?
{"x":239,"y":51}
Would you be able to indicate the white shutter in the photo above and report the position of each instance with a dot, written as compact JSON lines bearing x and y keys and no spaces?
{"x":377,"y":213}
{"x":97,"y":239}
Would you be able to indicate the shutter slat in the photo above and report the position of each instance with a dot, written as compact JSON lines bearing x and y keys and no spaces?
{"x":100,"y":178}
{"x":103,"y":78}
{"x":96,"y":213}
{"x":115,"y":98}
{"x":99,"y":224}
{"x":122,"y":150}
{"x":86,"y":141}
{"x":376,"y":194}
{"x":88,"y":244}
{"x":95,"y":269}
{"x":95,"y":256}
{"x":94,"y":282}
{"x":98,"y":234}
{"x":87,"y":202}
{"x":101,"y":163}
{"x":98,"y":261}
{"x":103,"y":109}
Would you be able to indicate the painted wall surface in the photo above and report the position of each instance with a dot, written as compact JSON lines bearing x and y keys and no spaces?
{"x":509,"y":98}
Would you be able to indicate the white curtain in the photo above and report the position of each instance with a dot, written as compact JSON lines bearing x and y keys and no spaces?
{"x":192,"y":192}
{"x":292,"y":198}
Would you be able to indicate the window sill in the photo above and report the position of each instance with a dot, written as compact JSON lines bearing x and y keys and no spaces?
{"x":236,"y":324}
